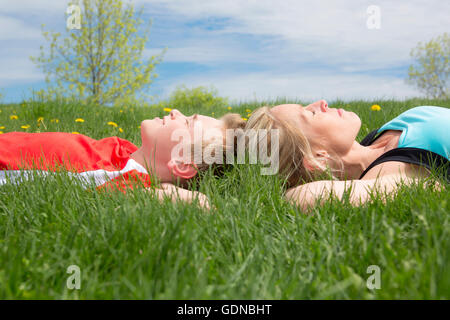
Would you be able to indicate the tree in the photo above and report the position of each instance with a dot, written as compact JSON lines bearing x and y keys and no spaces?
{"x":102,"y":62}
{"x":431,"y":69}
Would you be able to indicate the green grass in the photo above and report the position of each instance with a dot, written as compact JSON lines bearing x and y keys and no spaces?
{"x":254,"y":246}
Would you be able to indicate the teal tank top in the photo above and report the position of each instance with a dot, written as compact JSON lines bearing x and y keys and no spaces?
{"x":425,"y":127}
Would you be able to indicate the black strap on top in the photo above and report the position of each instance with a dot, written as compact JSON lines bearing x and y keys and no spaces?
{"x":426,"y":158}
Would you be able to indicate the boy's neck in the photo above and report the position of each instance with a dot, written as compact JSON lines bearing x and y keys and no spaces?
{"x":139,"y":157}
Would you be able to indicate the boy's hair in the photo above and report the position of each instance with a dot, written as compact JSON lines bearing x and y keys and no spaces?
{"x":231,"y":121}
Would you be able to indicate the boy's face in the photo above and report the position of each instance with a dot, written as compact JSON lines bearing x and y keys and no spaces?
{"x":161,"y":136}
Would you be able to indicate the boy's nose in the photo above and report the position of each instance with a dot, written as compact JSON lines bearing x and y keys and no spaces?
{"x":174,"y":113}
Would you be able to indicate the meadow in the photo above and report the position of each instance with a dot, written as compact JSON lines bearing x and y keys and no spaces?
{"x":253,"y":245}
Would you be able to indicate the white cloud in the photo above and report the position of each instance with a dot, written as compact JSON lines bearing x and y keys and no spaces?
{"x":15,"y":29}
{"x":305,"y":86}
{"x":333,"y":32}
{"x":17,"y":68}
{"x":33,"y":7}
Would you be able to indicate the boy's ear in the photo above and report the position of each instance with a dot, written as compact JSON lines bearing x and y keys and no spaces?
{"x":182,"y":170}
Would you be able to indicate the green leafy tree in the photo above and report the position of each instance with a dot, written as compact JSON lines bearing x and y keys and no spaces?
{"x":194,"y":98}
{"x":102,"y":62}
{"x":431,"y":69}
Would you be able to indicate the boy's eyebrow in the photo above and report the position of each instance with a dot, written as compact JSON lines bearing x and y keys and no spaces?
{"x":190,"y":121}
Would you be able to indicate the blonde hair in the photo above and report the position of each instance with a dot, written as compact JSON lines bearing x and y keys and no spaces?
{"x":232,"y":121}
{"x":293,"y":148}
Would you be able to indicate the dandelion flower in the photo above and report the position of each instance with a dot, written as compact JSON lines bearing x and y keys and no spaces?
{"x":112,"y":124}
{"x":74,"y":132}
{"x":248,"y":110}
{"x":54,"y":120}
{"x":25,"y":126}
{"x":229,"y":108}
{"x":13,"y":117}
{"x":40,"y":119}
{"x":2,"y":127}
{"x":245,"y":119}
{"x":375,"y":107}
{"x":79,"y":120}
{"x":1,"y":132}
{"x":167,"y":109}
{"x":120,"y":130}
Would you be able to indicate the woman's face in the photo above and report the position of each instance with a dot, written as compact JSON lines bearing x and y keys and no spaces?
{"x":159,"y":137}
{"x":326,"y":128}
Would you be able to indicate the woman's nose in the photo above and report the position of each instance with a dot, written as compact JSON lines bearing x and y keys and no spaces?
{"x":323,"y":105}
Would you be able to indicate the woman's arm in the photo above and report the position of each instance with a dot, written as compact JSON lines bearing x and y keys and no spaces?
{"x":169,"y":190}
{"x":305,"y":196}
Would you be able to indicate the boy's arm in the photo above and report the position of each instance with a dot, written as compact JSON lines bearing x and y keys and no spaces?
{"x":179,"y":194}
{"x":305,"y":196}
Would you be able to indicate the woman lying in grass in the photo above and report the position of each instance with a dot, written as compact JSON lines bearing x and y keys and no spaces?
{"x":315,"y":139}
{"x":116,"y":163}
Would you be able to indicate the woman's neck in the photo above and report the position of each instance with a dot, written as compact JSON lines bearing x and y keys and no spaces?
{"x":360,"y":157}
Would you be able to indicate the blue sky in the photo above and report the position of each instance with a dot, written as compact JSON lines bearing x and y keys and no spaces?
{"x":250,"y":49}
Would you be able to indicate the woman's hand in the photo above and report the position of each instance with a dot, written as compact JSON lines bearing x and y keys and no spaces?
{"x":176,"y":194}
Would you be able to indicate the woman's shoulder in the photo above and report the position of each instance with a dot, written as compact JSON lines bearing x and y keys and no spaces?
{"x":396,"y":168}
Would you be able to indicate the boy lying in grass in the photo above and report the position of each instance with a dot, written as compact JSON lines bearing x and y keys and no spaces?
{"x":117,"y":164}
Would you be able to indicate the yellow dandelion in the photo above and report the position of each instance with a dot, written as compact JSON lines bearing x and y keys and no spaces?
{"x":120,"y":130}
{"x":79,"y":120}
{"x":249,"y":115}
{"x":54,"y":120}
{"x":121,"y":111}
{"x":139,"y":127}
{"x":1,"y":132}
{"x":25,"y":126}
{"x":245,"y":119}
{"x":375,"y":107}
{"x":167,"y":109}
{"x":74,"y":132}
{"x":229,"y":108}
{"x":248,"y":110}
{"x":13,"y":117}
{"x":40,"y":119}
{"x":112,"y":124}
{"x":2,"y":127}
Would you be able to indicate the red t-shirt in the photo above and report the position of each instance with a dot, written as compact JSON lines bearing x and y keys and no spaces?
{"x":106,"y":160}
